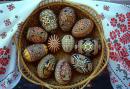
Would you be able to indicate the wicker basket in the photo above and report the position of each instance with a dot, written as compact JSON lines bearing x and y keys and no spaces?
{"x":28,"y":70}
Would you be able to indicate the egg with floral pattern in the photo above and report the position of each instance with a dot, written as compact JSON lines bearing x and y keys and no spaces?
{"x":82,"y":28}
{"x":63,"y":72}
{"x":48,"y":20}
{"x":68,"y":43}
{"x":67,"y":18}
{"x":35,"y":52}
{"x":46,"y":66}
{"x":81,"y":63}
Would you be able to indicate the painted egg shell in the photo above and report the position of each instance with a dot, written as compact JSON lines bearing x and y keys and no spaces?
{"x":67,"y":18}
{"x":88,"y":46}
{"x":35,"y":52}
{"x":37,"y":35}
{"x":82,"y":28}
{"x":46,"y":66}
{"x":48,"y":20}
{"x":63,"y":72}
{"x":68,"y":43}
{"x":81,"y":63}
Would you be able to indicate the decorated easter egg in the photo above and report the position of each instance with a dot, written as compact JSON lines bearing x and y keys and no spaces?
{"x":35,"y":52}
{"x":82,"y":28}
{"x":63,"y":72}
{"x":81,"y":63}
{"x":46,"y":66}
{"x":54,"y":43}
{"x":68,"y":43}
{"x":37,"y":35}
{"x":48,"y":20}
{"x":67,"y":18}
{"x":88,"y":46}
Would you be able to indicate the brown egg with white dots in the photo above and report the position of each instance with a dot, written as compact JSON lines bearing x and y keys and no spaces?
{"x":48,"y":20}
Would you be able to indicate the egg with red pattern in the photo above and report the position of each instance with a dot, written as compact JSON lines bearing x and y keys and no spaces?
{"x":63,"y":72}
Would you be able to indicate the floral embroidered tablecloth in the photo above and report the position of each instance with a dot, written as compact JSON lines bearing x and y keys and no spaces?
{"x":116,"y":24}
{"x":11,"y":15}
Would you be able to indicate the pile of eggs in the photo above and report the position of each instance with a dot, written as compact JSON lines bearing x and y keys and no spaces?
{"x":46,"y":43}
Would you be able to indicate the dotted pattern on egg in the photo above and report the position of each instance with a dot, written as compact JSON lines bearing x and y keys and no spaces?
{"x":68,"y":43}
{"x":83,"y":24}
{"x":48,"y":20}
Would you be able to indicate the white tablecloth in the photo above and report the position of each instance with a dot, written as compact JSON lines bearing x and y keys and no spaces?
{"x":116,"y":24}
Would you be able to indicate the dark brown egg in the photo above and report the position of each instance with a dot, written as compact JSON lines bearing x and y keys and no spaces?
{"x":81,"y":63}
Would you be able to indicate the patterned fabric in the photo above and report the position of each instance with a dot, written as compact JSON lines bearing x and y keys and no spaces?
{"x":11,"y":16}
{"x":116,"y":24}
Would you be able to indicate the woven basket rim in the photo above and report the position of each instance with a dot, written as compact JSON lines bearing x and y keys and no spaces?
{"x":93,"y":75}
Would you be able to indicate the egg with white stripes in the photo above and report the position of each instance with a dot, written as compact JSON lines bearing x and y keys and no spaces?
{"x":81,"y":63}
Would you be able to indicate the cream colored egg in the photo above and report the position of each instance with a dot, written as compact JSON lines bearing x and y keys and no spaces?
{"x":68,"y":43}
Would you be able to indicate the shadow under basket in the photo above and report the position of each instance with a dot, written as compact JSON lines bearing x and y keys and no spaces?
{"x":29,"y":70}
